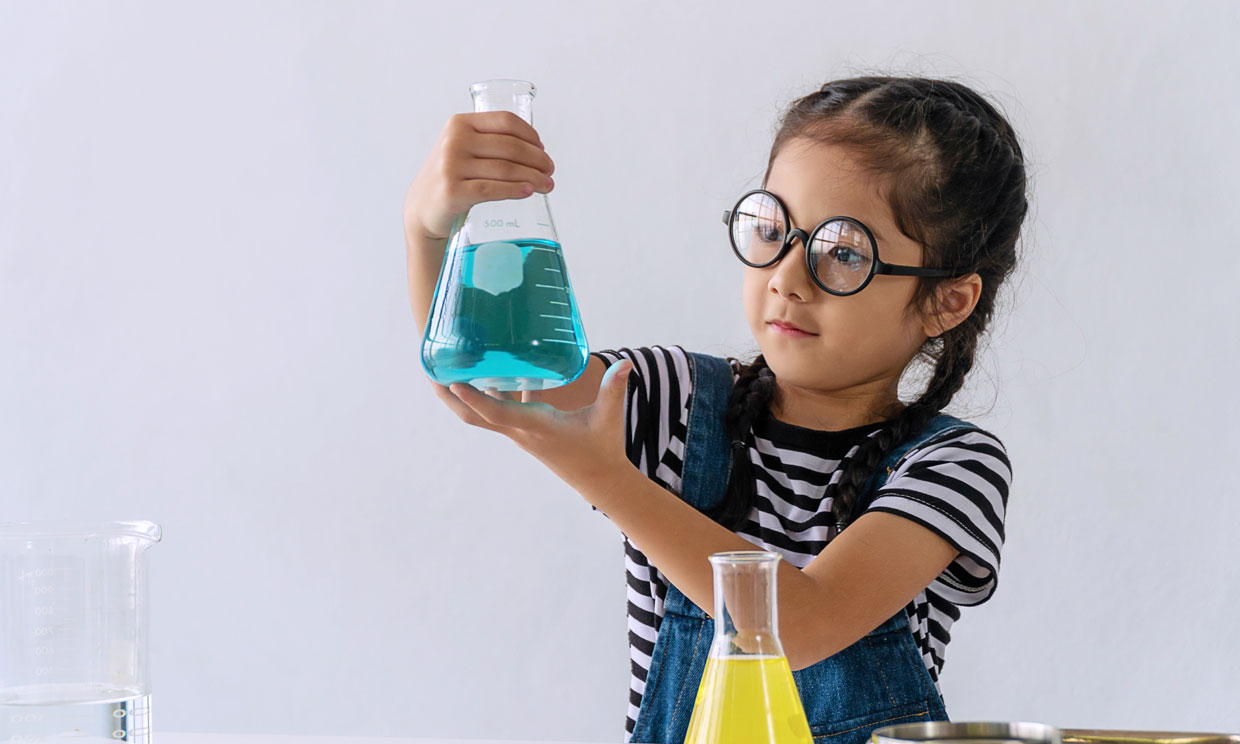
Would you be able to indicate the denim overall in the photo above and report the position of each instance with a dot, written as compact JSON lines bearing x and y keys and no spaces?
{"x":878,"y":681}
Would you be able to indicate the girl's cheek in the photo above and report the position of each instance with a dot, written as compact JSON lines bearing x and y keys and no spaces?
{"x":751,"y":295}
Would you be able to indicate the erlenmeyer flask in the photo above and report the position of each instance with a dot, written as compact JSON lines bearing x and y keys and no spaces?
{"x":747,"y":693}
{"x":504,"y":316}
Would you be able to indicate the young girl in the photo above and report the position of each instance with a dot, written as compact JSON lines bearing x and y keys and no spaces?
{"x":886,"y":223}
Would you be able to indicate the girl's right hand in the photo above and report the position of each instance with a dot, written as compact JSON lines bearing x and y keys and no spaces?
{"x":478,"y":157}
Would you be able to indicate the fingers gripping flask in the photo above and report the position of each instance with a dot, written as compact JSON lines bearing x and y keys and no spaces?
{"x":504,"y":316}
{"x":747,"y":693}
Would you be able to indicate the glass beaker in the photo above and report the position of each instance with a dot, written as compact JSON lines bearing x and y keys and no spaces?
{"x":747,"y":695}
{"x":504,"y":316}
{"x":73,"y":631}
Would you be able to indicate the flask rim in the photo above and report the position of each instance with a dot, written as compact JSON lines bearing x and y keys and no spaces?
{"x":743,"y":557}
{"x":518,"y":86}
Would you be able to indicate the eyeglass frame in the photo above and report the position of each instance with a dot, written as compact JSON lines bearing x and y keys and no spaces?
{"x":877,"y":266}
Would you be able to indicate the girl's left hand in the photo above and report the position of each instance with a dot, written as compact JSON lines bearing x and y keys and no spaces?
{"x":585,"y":448}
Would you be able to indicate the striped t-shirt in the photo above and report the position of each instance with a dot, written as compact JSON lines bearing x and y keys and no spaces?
{"x":955,"y":485}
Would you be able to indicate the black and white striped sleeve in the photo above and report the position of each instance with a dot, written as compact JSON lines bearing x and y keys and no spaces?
{"x":658,"y":394}
{"x":958,"y":488}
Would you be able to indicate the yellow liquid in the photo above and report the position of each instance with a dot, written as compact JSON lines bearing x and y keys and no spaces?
{"x":748,"y":701}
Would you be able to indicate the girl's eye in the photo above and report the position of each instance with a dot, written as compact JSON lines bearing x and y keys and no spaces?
{"x":768,"y":233}
{"x":845,"y":255}
{"x":765,"y":231}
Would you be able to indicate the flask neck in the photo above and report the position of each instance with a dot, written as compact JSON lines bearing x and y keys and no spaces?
{"x":746,"y":619}
{"x":516,"y":96}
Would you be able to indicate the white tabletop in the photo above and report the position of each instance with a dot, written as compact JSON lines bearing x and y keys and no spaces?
{"x":161,"y":737}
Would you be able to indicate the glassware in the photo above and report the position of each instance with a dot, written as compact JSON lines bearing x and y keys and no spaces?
{"x":747,"y":693}
{"x":504,"y":316}
{"x":74,"y":657}
{"x":975,"y":732}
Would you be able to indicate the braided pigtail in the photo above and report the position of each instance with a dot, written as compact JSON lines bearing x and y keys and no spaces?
{"x":750,"y":396}
{"x":951,"y":367}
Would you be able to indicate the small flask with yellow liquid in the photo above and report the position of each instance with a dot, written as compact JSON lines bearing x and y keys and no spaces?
{"x":747,"y":695}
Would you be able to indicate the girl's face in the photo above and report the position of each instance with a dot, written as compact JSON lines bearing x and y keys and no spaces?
{"x":853,"y":349}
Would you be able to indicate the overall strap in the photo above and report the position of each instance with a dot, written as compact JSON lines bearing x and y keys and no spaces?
{"x":707,"y":454}
{"x":707,"y":461}
{"x":938,"y":426}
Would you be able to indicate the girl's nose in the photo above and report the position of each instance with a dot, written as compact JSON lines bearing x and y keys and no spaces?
{"x":790,"y":277}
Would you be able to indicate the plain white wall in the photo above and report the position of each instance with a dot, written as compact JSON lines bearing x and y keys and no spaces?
{"x":203,"y":321}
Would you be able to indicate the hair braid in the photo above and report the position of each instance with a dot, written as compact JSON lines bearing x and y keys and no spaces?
{"x":749,"y":397}
{"x":950,"y":370}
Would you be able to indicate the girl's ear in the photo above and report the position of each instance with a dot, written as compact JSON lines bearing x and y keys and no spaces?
{"x":952,"y":303}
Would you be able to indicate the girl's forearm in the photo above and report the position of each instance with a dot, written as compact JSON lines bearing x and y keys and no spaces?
{"x":679,"y":539}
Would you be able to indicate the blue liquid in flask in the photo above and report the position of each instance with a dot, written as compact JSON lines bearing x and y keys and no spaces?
{"x":504,"y":318}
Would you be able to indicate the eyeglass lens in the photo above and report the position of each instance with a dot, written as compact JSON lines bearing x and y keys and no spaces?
{"x":840,"y":252}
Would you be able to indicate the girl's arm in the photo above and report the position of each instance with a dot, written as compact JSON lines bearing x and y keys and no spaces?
{"x":871,"y":571}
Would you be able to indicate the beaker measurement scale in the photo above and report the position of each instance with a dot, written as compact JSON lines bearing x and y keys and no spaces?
{"x":52,"y":635}
{"x":570,"y":329}
{"x":500,"y":223}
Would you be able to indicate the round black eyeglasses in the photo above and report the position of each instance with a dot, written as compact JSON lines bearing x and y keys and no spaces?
{"x":841,"y":252}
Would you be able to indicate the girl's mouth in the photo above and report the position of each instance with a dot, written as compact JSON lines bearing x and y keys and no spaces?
{"x":788,"y":329}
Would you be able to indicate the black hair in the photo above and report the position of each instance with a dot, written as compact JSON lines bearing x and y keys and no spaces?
{"x":957,"y":186}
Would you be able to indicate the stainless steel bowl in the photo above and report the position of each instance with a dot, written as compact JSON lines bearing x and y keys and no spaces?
{"x":974,"y":732}
{"x":1109,"y":736}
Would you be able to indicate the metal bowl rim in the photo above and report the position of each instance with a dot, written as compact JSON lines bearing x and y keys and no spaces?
{"x":964,"y":730}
